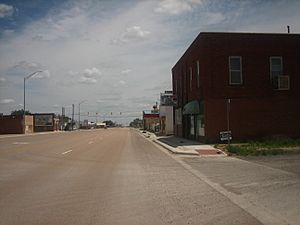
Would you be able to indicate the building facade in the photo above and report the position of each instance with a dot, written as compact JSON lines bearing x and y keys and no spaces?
{"x":151,"y":119}
{"x":166,"y":113}
{"x":44,"y":122}
{"x":12,"y":124}
{"x":243,"y":82}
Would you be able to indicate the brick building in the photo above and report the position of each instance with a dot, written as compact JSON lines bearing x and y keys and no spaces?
{"x":244,"y":82}
{"x":11,"y":124}
{"x":151,"y":119}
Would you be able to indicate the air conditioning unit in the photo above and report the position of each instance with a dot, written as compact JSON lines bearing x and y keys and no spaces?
{"x":283,"y":82}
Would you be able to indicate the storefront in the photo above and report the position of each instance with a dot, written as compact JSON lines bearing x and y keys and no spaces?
{"x":193,"y":120}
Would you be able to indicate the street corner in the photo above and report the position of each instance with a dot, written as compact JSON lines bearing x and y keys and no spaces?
{"x":185,"y":149}
{"x":210,"y":152}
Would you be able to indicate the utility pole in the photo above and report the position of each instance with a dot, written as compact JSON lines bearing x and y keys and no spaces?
{"x":62,"y":118}
{"x":79,"y":111}
{"x":228,"y":119}
{"x":72,"y":116}
{"x":24,"y":105}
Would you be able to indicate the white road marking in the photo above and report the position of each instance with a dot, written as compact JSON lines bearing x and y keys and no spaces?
{"x":67,"y":152}
{"x":20,"y":143}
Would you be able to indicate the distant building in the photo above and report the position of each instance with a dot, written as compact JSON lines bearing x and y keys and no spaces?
{"x":166,"y":113}
{"x":45,"y":122}
{"x":151,"y":119}
{"x":11,"y":124}
{"x":244,"y":82}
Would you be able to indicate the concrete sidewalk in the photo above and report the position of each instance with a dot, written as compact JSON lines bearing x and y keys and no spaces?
{"x":178,"y":145}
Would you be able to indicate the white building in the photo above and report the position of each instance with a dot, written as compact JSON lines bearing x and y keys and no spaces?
{"x":166,"y":113}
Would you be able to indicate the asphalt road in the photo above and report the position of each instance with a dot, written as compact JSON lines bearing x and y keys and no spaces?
{"x":112,"y":176}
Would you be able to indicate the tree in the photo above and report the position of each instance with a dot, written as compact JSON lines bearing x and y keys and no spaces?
{"x":20,"y":112}
{"x":137,"y":123}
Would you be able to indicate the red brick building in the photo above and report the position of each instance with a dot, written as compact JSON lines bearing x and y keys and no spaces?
{"x":244,"y":82}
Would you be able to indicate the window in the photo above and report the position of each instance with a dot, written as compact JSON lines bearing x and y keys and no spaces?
{"x":198,"y":74}
{"x":275,"y":70}
{"x":191,"y":78}
{"x":235,"y":70}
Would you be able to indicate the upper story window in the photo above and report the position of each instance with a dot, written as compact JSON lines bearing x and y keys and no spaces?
{"x":198,"y":74}
{"x":235,"y":70}
{"x":191,"y":78}
{"x":275,"y":69}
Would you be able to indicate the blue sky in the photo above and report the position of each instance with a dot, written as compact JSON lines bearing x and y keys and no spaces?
{"x":115,"y":54}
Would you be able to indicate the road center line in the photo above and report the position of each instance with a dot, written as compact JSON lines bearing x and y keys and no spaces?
{"x":66,"y":152}
{"x":20,"y":143}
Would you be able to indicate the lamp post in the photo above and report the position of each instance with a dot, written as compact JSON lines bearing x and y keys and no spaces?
{"x":79,"y":111}
{"x":26,"y":78}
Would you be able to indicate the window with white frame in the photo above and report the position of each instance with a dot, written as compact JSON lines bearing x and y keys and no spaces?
{"x":275,"y":69}
{"x":191,"y":78}
{"x":235,"y":70}
{"x":198,"y":74}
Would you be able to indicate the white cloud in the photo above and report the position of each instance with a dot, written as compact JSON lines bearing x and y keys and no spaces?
{"x":6,"y":10}
{"x":27,"y":65}
{"x":120,"y":83}
{"x":8,"y":32}
{"x":87,"y":80}
{"x":125,"y":72}
{"x":90,"y":76}
{"x":7,"y":101}
{"x":93,"y":72}
{"x":175,"y":7}
{"x":135,"y":33}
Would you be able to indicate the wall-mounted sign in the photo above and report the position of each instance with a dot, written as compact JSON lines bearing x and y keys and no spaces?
{"x":225,"y":135}
{"x":43,"y":119}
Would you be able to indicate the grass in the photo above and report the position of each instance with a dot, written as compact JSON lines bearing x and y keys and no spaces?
{"x":273,"y":146}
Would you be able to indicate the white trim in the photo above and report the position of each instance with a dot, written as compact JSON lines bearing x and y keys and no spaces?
{"x":240,"y":70}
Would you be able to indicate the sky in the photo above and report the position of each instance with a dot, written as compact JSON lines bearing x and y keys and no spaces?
{"x":113,"y":57}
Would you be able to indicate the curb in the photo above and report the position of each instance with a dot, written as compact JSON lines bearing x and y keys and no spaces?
{"x":172,"y":151}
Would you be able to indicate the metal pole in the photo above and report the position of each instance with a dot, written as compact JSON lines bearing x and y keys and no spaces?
{"x":72,"y":116}
{"x":79,"y":111}
{"x":24,"y":129}
{"x":228,"y":119}
{"x":79,"y":115}
{"x":25,"y":78}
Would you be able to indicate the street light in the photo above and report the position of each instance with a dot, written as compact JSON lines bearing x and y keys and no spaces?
{"x":26,"y":78}
{"x":79,"y":111}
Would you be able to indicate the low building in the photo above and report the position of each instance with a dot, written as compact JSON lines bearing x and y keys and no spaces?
{"x":151,"y":120}
{"x":11,"y":124}
{"x":166,"y":113}
{"x":247,"y":83}
{"x":44,"y":122}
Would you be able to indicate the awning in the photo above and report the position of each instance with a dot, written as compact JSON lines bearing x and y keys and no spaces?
{"x":192,"y":107}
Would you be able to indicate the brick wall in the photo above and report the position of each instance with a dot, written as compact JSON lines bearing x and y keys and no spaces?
{"x":11,"y":124}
